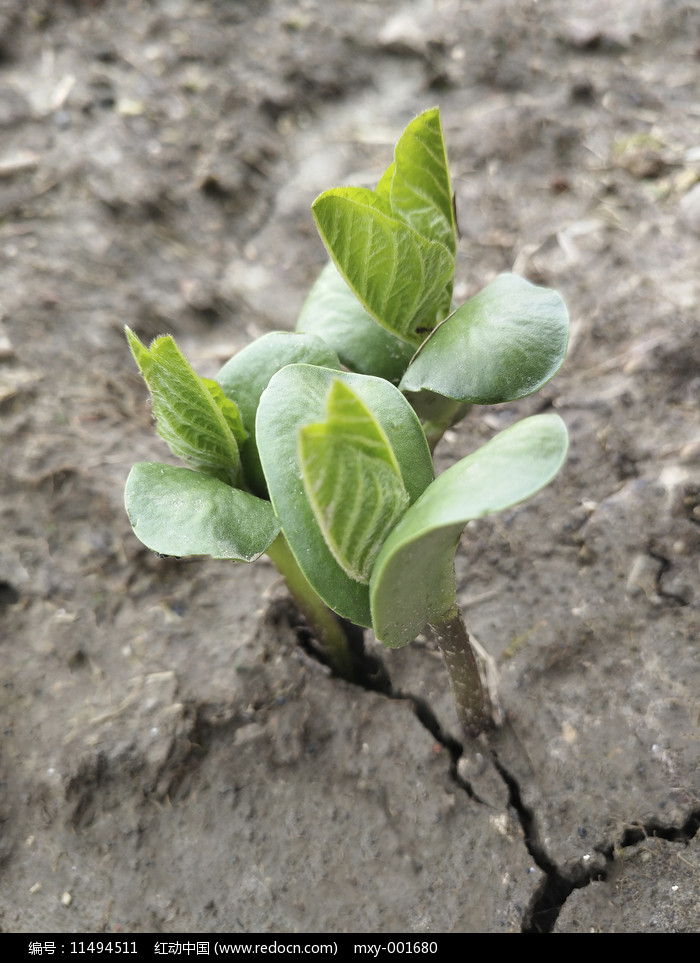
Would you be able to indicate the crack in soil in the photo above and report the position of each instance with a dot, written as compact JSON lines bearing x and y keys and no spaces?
{"x":559,"y":882}
{"x":665,"y":564}
{"x":373,"y":676}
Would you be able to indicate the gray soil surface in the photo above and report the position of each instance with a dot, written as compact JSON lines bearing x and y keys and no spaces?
{"x":172,"y":760}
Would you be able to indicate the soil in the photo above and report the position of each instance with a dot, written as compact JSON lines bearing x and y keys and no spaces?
{"x":172,"y":759}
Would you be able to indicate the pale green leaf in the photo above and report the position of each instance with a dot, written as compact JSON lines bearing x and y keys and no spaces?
{"x":195,"y":419}
{"x":352,"y":480}
{"x":402,"y":279}
{"x":413,"y":579}
{"x":396,"y":246}
{"x":502,"y":344}
{"x":228,"y":408}
{"x":177,"y":511}
{"x":296,"y":397}
{"x":417,"y":183}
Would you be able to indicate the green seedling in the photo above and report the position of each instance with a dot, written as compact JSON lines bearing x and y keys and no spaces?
{"x":315,"y":447}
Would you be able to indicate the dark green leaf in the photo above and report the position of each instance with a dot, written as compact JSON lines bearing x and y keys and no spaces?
{"x":502,"y":344}
{"x":413,"y":579}
{"x":245,"y":377}
{"x":177,"y":511}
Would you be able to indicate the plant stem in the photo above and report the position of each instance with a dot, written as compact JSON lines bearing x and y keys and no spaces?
{"x":323,"y":622}
{"x":436,"y":413}
{"x":473,"y":691}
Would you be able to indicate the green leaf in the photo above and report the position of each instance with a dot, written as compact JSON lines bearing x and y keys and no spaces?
{"x":228,"y":408}
{"x":193,"y":416}
{"x":295,"y":397}
{"x":332,"y":312}
{"x":245,"y":377}
{"x":413,"y":580}
{"x":502,"y":344}
{"x":177,"y":511}
{"x":396,"y":246}
{"x":401,"y":278}
{"x":417,"y":184}
{"x":352,"y":480}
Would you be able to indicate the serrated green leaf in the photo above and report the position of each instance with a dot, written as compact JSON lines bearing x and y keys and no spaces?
{"x":244,"y":378}
{"x":178,"y":511}
{"x":295,"y":397}
{"x":401,"y":278}
{"x":417,"y":184}
{"x":141,"y":354}
{"x":502,"y":344}
{"x":413,"y":580}
{"x":396,"y":246}
{"x":193,"y":416}
{"x":228,"y":408}
{"x":352,"y":480}
{"x":334,"y":313}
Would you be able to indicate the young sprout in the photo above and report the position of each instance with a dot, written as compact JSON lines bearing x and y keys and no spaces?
{"x":315,"y":447}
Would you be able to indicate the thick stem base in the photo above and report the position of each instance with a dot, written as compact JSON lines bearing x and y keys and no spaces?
{"x":323,"y":622}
